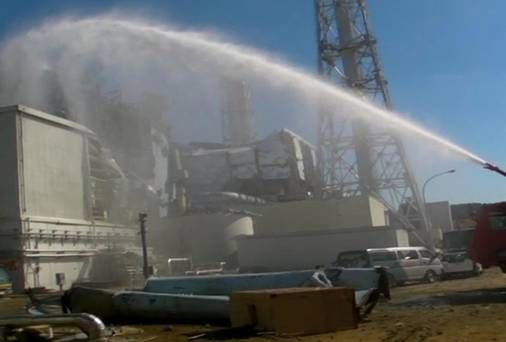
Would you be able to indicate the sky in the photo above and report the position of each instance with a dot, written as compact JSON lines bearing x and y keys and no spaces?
{"x":444,"y":61}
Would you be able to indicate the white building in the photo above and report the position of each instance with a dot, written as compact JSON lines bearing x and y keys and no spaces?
{"x":57,"y":207}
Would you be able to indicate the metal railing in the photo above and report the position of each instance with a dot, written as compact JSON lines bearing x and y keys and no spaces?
{"x":90,"y":325}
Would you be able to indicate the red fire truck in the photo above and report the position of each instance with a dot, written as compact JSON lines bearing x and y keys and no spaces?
{"x":489,"y":242}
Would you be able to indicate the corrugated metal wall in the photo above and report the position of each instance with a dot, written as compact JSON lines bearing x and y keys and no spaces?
{"x":53,"y":170}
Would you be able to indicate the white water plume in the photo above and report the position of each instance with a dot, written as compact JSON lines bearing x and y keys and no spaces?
{"x":132,"y":58}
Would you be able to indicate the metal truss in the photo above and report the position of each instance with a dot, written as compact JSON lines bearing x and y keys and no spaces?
{"x":357,"y":158}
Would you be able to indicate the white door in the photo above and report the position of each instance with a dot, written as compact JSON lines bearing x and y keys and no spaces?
{"x":411,"y":263}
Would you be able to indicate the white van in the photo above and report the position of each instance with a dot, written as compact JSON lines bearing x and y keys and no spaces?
{"x":402,"y":263}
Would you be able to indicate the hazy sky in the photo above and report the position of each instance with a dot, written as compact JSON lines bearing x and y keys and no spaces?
{"x":444,"y":60}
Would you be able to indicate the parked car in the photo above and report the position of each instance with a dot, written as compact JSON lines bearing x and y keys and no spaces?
{"x":459,"y":263}
{"x":403,"y":264}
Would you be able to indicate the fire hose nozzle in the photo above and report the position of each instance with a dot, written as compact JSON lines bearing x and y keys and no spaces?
{"x":495,"y":168}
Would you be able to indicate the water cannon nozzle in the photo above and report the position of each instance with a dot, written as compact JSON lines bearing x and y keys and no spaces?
{"x":495,"y":168}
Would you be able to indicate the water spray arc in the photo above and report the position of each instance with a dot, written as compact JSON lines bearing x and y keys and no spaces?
{"x":109,"y":41}
{"x":357,"y":158}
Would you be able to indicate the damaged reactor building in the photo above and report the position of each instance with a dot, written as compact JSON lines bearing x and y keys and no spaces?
{"x":258,"y":205}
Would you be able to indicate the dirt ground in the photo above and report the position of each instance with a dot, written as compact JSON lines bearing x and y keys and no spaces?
{"x":472,"y":309}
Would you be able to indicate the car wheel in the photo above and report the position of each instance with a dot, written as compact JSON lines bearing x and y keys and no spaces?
{"x":430,"y":276}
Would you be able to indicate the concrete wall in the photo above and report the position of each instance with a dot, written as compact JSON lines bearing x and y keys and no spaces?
{"x":318,"y":214}
{"x":378,"y":212}
{"x":402,"y":238}
{"x":440,"y":215}
{"x":308,"y":249}
{"x":206,"y":238}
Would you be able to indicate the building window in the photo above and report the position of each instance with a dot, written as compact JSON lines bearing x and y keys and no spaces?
{"x":383,"y":256}
{"x":497,"y":222}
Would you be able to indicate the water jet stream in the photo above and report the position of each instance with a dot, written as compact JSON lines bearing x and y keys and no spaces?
{"x":67,"y":46}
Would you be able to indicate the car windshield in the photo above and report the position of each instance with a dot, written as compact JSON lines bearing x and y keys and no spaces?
{"x":353,"y":259}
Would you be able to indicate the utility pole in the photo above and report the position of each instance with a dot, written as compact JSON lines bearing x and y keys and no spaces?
{"x":358,"y":159}
{"x":145,"y":266}
{"x":428,"y":215}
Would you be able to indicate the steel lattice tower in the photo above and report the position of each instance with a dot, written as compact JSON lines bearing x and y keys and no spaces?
{"x":357,"y":158}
